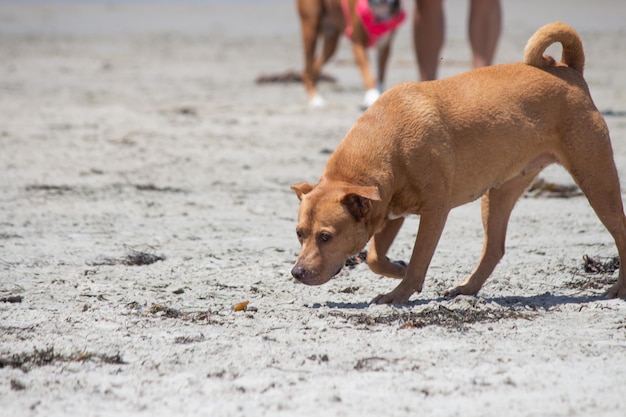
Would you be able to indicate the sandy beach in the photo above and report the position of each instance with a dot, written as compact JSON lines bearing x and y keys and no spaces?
{"x":144,"y":193}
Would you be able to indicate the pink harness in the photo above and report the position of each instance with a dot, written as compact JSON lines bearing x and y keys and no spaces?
{"x":375,"y":28}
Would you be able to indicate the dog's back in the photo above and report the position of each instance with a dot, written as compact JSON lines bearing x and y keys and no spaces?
{"x":527,"y":89}
{"x":537,"y":105}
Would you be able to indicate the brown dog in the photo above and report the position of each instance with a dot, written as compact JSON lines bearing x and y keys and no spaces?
{"x":425,"y":148}
{"x":327,"y":18}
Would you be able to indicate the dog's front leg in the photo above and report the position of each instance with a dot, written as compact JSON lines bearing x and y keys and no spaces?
{"x":377,"y":258}
{"x":428,"y":234}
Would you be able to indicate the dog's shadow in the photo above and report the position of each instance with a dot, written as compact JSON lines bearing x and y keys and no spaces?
{"x":545,"y":301}
{"x":365,"y":305}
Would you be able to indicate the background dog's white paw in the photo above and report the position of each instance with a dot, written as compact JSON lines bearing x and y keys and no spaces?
{"x":316,"y":102}
{"x":371,"y":96}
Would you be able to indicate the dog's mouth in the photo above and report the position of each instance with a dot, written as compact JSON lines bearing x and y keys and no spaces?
{"x":337,"y":271}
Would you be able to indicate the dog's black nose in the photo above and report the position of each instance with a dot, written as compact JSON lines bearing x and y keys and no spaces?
{"x":298,"y":272}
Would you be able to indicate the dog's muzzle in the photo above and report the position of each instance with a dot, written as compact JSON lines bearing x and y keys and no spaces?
{"x":308,"y":277}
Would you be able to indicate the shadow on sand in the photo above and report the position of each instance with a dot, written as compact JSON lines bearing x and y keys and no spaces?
{"x":543,"y":301}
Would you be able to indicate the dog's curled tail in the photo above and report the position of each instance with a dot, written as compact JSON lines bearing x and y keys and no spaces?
{"x":573,"y":55}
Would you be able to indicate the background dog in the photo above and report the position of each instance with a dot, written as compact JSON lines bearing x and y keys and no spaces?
{"x":366,"y":23}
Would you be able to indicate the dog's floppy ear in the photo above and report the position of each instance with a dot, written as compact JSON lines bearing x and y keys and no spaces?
{"x":358,"y":200}
{"x":301,"y":189}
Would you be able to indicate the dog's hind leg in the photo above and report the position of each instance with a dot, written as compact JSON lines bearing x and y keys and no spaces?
{"x":377,"y":254}
{"x":496,"y":207}
{"x":592,"y":166}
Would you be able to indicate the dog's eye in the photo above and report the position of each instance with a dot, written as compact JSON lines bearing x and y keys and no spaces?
{"x":300,"y":235}
{"x":324,"y":236}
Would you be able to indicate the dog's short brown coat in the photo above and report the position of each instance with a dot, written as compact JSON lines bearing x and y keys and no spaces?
{"x":425,"y":148}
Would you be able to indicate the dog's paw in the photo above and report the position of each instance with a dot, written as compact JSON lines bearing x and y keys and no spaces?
{"x":460,"y":290}
{"x":452,"y":292}
{"x":394,"y":297}
{"x":391,"y":269}
{"x":316,"y":102}
{"x":398,"y":269}
{"x":616,"y":292}
{"x":371,"y":96}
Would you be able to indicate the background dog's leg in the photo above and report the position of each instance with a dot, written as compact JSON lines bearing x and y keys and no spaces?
{"x":377,"y":254}
{"x":496,"y":207}
{"x":331,"y":39}
{"x":384,"y":51}
{"x":371,"y":92}
{"x":428,"y":234}
{"x":310,"y":18}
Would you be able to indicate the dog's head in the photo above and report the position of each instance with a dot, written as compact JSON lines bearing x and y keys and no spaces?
{"x":332,"y":225}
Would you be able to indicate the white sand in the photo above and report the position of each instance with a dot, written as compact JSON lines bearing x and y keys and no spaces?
{"x":140,"y":127}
